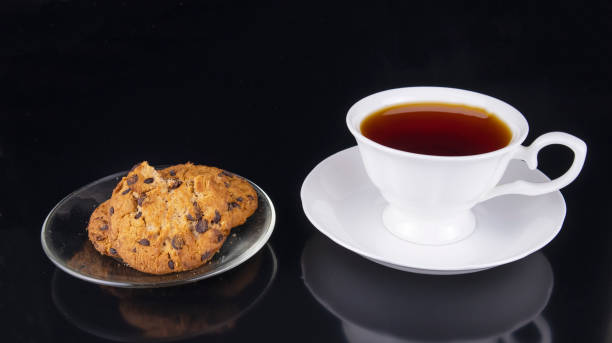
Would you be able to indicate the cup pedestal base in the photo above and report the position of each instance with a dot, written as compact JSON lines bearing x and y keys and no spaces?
{"x":429,"y":231}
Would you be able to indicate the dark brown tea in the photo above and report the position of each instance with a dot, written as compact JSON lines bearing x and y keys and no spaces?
{"x":437,"y":129}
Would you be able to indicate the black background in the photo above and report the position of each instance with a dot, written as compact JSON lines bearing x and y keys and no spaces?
{"x":88,"y":88}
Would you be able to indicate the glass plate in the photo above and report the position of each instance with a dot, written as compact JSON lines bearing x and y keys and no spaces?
{"x":64,"y":240}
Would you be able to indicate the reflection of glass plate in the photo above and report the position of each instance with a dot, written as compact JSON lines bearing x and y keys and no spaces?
{"x":165,"y":314}
{"x":64,"y":240}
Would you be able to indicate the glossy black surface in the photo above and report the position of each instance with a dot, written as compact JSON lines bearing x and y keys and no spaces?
{"x":88,"y":88}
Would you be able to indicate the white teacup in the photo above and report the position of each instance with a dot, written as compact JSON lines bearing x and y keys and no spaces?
{"x":430,"y":197}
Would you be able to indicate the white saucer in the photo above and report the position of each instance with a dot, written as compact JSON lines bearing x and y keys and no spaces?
{"x":340,"y":200}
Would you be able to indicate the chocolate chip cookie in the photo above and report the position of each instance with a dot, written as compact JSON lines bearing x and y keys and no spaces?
{"x":172,"y":220}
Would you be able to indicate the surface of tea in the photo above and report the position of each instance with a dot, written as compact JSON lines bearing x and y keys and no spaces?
{"x":437,"y":129}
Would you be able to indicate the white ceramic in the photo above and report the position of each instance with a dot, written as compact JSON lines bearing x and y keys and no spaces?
{"x":430,"y":198}
{"x":341,"y":201}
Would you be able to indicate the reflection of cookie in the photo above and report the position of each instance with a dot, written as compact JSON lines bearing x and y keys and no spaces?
{"x":189,"y":309}
{"x":88,"y":261}
{"x":172,"y":220}
{"x":153,"y":319}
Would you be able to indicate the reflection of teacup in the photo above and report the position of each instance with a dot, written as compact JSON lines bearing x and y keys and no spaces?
{"x":385,"y":305}
{"x":430,"y":197}
{"x":209,"y":306}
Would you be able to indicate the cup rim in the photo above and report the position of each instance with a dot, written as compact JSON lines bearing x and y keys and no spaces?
{"x":517,"y":137}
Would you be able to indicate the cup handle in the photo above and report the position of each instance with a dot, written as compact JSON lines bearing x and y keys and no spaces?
{"x":541,"y":325}
{"x":530,"y":155}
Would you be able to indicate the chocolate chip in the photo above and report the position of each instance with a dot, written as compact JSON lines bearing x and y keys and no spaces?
{"x":226,"y":173}
{"x":217,"y":218}
{"x":99,"y":238}
{"x":138,"y":215}
{"x":149,"y":180}
{"x":132,"y":179}
{"x":134,"y":250}
{"x":126,"y":191}
{"x":178,"y":243}
{"x":250,"y":197}
{"x":205,"y":256}
{"x":113,"y":251}
{"x":232,"y":205}
{"x":201,"y":225}
{"x":141,"y":199}
{"x":144,"y":242}
{"x":172,"y":172}
{"x":171,"y":264}
{"x":198,"y":211}
{"x":220,"y":237}
{"x":239,"y":199}
{"x":103,"y":227}
{"x":112,"y":210}
{"x":190,"y":217}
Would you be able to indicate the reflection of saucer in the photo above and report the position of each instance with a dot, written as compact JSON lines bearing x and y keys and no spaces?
{"x":341,"y":201}
{"x":165,"y":314}
{"x":387,"y":305}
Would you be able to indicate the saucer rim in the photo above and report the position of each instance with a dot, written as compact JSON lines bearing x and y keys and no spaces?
{"x":465,"y":269}
{"x":245,"y":256}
